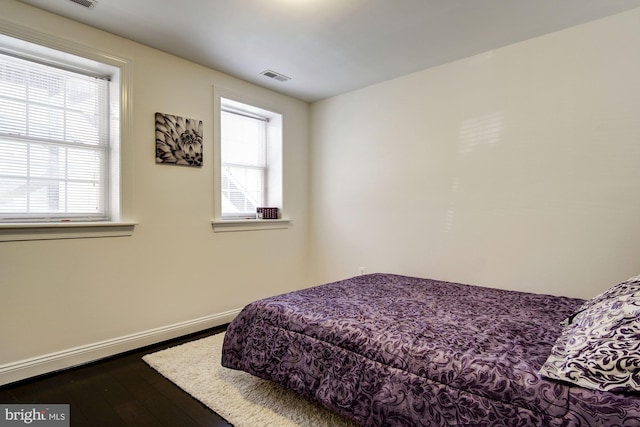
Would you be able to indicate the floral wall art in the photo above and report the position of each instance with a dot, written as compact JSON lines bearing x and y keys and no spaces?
{"x":178,"y":140}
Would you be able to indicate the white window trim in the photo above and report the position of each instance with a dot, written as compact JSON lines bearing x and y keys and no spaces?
{"x":220,"y":224}
{"x":224,"y":225}
{"x":68,"y":230}
{"x":122,"y":226}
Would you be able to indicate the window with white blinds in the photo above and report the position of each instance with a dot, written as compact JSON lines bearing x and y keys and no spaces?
{"x":244,"y":163}
{"x":250,"y":159}
{"x":54,"y":143}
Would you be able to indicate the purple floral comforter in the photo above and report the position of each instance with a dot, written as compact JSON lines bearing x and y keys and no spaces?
{"x":388,"y":350}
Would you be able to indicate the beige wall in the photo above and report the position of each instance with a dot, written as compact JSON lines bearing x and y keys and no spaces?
{"x":517,"y":168}
{"x":57,"y":296}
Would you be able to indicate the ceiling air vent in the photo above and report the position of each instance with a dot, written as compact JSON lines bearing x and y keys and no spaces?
{"x":89,"y":4}
{"x":273,"y":75}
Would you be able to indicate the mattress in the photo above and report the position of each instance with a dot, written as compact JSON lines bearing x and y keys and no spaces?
{"x":392,"y":350}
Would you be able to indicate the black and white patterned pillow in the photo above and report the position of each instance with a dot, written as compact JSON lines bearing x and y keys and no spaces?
{"x":623,"y":288}
{"x":600,"y":345}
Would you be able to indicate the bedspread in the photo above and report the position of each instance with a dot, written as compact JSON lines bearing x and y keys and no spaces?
{"x":387,"y":350}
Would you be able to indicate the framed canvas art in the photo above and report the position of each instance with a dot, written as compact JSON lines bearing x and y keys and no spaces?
{"x":178,"y":140}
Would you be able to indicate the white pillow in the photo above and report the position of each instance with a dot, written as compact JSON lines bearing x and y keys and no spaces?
{"x":600,"y":344}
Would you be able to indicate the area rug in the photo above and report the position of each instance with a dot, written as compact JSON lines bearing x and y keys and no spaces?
{"x":240,"y":398}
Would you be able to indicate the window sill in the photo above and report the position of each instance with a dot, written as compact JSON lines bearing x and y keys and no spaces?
{"x":67,"y":230}
{"x":225,"y":225}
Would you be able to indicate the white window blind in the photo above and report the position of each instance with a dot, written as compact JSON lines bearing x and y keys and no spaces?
{"x":244,"y":163}
{"x":54,"y":143}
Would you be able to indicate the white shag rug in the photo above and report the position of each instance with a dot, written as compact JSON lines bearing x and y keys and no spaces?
{"x":240,"y":398}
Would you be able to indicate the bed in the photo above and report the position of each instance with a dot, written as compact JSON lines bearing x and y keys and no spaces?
{"x":391,"y":350}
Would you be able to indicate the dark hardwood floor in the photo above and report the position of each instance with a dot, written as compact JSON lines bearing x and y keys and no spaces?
{"x":119,"y":391}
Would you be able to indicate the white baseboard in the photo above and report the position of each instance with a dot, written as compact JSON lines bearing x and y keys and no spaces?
{"x":52,"y":362}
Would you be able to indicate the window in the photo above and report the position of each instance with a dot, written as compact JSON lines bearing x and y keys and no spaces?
{"x":59,"y":136}
{"x":65,"y":114}
{"x":244,"y":163}
{"x":250,"y":159}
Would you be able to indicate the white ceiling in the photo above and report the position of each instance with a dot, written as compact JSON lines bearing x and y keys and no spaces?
{"x":329,"y":47}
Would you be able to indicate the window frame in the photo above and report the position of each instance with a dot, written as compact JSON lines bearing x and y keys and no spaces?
{"x":49,"y":148}
{"x":262,"y":169}
{"x":120,"y":224}
{"x":224,"y":224}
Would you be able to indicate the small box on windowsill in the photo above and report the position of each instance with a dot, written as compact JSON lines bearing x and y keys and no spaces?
{"x":267,"y":213}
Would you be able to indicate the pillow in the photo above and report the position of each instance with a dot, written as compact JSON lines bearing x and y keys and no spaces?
{"x":600,"y":345}
{"x":623,"y":288}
